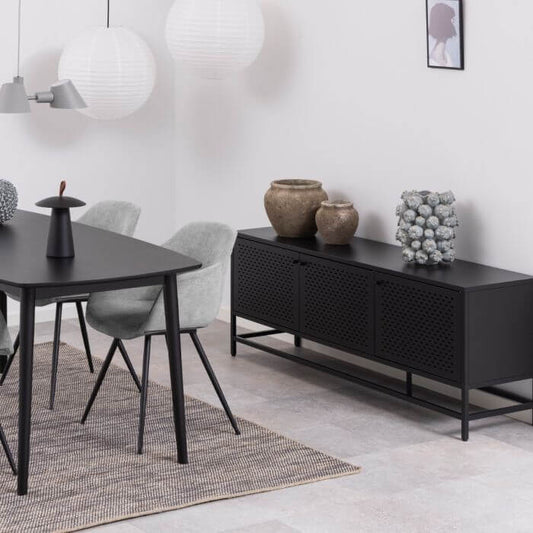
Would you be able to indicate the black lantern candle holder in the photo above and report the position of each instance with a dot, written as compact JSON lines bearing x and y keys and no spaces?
{"x":60,"y":240}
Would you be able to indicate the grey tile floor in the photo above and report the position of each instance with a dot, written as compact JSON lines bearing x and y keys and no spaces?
{"x":418,"y":476}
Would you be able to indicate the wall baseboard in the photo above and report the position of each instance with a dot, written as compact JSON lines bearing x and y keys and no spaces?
{"x":480,"y":398}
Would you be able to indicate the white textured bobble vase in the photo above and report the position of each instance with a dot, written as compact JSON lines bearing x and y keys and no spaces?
{"x":215,"y":38}
{"x":112,"y":68}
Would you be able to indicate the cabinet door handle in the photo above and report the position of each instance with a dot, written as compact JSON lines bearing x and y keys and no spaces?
{"x":296,"y":262}
{"x":303,"y":263}
{"x":380,"y":282}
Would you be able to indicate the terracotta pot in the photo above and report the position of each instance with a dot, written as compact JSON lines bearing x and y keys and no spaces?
{"x":291,"y":206}
{"x":337,"y":221}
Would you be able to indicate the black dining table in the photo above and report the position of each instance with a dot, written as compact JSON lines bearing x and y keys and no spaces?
{"x":104,"y":261}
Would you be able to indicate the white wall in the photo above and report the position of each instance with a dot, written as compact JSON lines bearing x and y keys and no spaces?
{"x":342,"y":93}
{"x":130,"y":159}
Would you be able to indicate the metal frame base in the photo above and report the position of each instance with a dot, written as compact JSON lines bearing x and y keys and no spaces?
{"x":464,"y":414}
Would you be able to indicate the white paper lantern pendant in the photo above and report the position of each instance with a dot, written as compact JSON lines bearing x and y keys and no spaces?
{"x":113,"y":69}
{"x":215,"y":38}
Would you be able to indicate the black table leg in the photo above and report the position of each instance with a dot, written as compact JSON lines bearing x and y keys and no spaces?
{"x":170,"y":293}
{"x":27,"y":324}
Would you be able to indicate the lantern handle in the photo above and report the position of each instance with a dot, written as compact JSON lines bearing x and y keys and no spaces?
{"x":62,"y":187}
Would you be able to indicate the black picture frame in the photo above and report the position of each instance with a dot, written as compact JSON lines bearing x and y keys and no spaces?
{"x":457,"y":57}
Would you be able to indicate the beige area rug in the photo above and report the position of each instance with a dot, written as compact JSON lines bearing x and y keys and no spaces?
{"x":82,"y":476}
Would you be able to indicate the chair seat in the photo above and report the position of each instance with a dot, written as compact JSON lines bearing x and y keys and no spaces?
{"x":132,"y":313}
{"x":122,"y":314}
{"x":62,"y":299}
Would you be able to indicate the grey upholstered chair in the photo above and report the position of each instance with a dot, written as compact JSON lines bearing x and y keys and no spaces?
{"x":132,"y":313}
{"x":6,"y":348}
{"x":116,"y":216}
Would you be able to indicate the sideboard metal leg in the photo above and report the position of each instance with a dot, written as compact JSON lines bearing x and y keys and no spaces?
{"x":297,"y":341}
{"x":409,"y":384}
{"x":465,"y":415}
{"x":233,"y":333}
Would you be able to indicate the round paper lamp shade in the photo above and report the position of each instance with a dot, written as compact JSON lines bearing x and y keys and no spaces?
{"x":113,"y":70}
{"x":215,"y":38}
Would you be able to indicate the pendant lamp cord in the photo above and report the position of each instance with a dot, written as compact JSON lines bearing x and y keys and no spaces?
{"x":108,"y":10}
{"x":18,"y":41}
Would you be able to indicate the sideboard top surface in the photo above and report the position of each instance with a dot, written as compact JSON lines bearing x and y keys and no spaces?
{"x":387,"y":258}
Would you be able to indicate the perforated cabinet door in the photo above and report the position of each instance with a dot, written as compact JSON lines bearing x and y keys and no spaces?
{"x":266,"y":283}
{"x":417,"y":325}
{"x":337,"y":303}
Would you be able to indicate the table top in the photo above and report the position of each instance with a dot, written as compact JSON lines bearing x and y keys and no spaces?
{"x":387,"y":258}
{"x":101,"y":256}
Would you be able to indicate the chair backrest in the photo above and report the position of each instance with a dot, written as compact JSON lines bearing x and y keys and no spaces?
{"x":112,"y":215}
{"x":207,"y":242}
{"x":200,"y":291}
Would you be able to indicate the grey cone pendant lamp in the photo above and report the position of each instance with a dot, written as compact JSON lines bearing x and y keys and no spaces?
{"x":14,"y":99}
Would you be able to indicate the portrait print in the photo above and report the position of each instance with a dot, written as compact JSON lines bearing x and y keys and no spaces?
{"x":445,"y":34}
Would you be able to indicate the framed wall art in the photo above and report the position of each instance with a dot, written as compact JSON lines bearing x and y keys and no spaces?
{"x":445,"y":40}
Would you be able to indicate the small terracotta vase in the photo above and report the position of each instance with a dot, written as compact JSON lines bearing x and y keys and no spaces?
{"x":291,"y":206}
{"x":337,"y":221}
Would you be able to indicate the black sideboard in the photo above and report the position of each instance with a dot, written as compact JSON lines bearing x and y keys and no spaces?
{"x":467,"y":325}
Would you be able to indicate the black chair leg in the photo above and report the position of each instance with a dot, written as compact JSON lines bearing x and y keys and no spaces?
{"x":11,"y":359}
{"x":9,"y":456}
{"x":127,"y":360}
{"x":214,"y":381}
{"x":55,"y":354}
{"x":144,"y":393}
{"x":100,"y":379}
{"x":16,"y":344}
{"x":85,"y":336}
